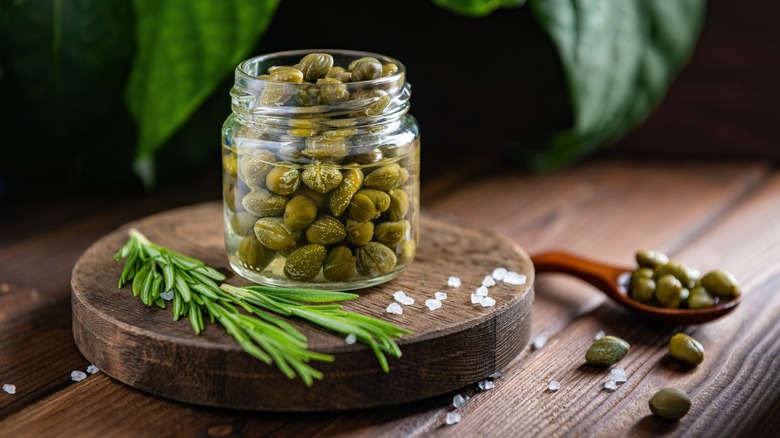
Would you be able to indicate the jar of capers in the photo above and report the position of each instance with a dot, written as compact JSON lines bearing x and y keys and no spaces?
{"x":321,"y":162}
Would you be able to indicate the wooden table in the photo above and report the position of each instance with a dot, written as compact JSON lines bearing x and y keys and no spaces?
{"x":706,"y":214}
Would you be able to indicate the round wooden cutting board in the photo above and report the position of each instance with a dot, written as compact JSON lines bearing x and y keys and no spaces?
{"x":451,"y":347}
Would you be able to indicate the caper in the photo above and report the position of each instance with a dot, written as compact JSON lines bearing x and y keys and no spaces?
{"x":254,"y":255}
{"x":304,"y":263}
{"x":374,"y":259}
{"x":254,"y":169}
{"x":699,"y":298}
{"x":368,"y":204}
{"x":271,"y":232}
{"x":315,"y":66}
{"x":321,"y":177}
{"x":229,"y":196}
{"x":339,"y":74}
{"x":325,"y":148}
{"x":326,"y":230}
{"x":359,"y":233}
{"x":649,"y":258}
{"x":389,"y":69}
{"x":642,"y":289}
{"x":670,"y":403}
{"x":283,"y":180}
{"x":686,"y":275}
{"x":399,"y":204}
{"x":321,"y":199}
{"x":721,"y":284}
{"x":386,"y":177}
{"x":340,"y":265}
{"x":354,"y":63}
{"x":366,"y":70}
{"x":262,"y":203}
{"x":299,"y":213}
{"x":408,"y":249}
{"x":287,"y":74}
{"x":340,"y":133}
{"x":230,"y":164}
{"x":338,"y":199}
{"x":379,"y":101}
{"x":243,"y":223}
{"x":669,"y":292}
{"x":332,"y":91}
{"x":301,"y":132}
{"x":309,"y":96}
{"x":392,"y":233}
{"x":366,"y":156}
{"x":608,"y":350}
{"x":272,"y":94}
{"x":686,"y":349}
{"x":289,"y":151}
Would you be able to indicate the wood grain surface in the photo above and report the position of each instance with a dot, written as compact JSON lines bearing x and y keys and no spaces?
{"x":451,"y":347}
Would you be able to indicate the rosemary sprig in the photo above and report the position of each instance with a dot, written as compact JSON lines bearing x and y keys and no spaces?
{"x":267,"y":336}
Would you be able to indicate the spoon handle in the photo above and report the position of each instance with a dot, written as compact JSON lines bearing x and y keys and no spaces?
{"x":599,"y":275}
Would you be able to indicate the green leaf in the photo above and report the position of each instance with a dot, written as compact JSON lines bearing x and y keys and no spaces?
{"x":477,"y":8}
{"x":619,"y":57}
{"x":185,"y":47}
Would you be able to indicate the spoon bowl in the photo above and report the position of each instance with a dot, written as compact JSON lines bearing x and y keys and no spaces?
{"x":609,"y":279}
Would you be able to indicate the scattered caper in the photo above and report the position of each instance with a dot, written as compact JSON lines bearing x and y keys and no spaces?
{"x":670,"y":403}
{"x":686,"y":349}
{"x":340,"y":265}
{"x":607,"y":350}
{"x":304,"y":263}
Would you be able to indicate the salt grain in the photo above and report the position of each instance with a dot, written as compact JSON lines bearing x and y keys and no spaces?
{"x":618,"y":375}
{"x":395,"y":308}
{"x":453,"y":282}
{"x":610,"y":385}
{"x":514,"y":278}
{"x":554,"y":385}
{"x":10,"y":389}
{"x":488,"y":281}
{"x":488,"y":302}
{"x":489,"y":385}
{"x":482,"y":290}
{"x":402,"y":298}
{"x":497,"y":375}
{"x":539,"y":342}
{"x":440,"y":296}
{"x":92,"y":369}
{"x":77,"y":376}
{"x":167,"y":296}
{"x":459,"y":400}
{"x":499,"y":274}
{"x":477,"y":299}
{"x":432,"y":304}
{"x":599,"y":335}
{"x":350,"y":339}
{"x":453,"y":417}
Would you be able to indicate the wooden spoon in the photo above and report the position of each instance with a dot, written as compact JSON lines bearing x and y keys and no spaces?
{"x":609,"y":279}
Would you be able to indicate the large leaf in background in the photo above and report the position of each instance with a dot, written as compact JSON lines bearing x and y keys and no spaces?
{"x":477,"y":8}
{"x":185,"y":48}
{"x":619,"y":58}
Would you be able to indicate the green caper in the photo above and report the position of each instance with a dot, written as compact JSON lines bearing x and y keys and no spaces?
{"x":340,"y":265}
{"x":721,"y":284}
{"x":283,"y":180}
{"x":332,"y":91}
{"x":386,"y":177}
{"x":606,"y":351}
{"x":321,"y":177}
{"x":359,"y":233}
{"x":230,"y":164}
{"x":290,"y":151}
{"x":642,"y":289}
{"x":366,"y":70}
{"x":686,"y":349}
{"x":338,"y":199}
{"x":340,"y":133}
{"x":339,"y":74}
{"x":368,"y":204}
{"x":321,"y":199}
{"x":304,"y":263}
{"x":366,"y":156}
{"x":299,"y":213}
{"x":301,"y":132}
{"x":399,"y":204}
{"x":262,"y":203}
{"x":243,"y":223}
{"x":408,"y":250}
{"x":379,"y":101}
{"x":670,"y":403}
{"x":254,"y":169}
{"x":325,"y":149}
{"x":669,"y":292}
{"x":271,"y":232}
{"x":700,"y":298}
{"x":686,"y":275}
{"x":315,"y":66}
{"x":254,"y":255}
{"x":273,"y":93}
{"x":287,"y":74}
{"x":392,"y":233}
{"x":652,"y":259}
{"x":375,"y":259}
{"x":326,"y":230}
{"x":309,"y":96}
{"x":389,"y":69}
{"x":229,"y":196}
{"x":354,"y":63}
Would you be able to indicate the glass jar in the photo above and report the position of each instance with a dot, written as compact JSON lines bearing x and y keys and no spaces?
{"x":320,"y":180}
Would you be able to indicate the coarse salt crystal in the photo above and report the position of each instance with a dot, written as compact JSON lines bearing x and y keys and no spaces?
{"x":499,"y":273}
{"x":453,"y":282}
{"x":599,"y":335}
{"x":453,"y":417}
{"x":488,"y":281}
{"x":477,"y":299}
{"x":481,"y":384}
{"x":554,"y":385}
{"x":350,"y":339}
{"x":488,"y":385}
{"x":497,"y":375}
{"x":394,"y":308}
{"x":539,"y":342}
{"x":77,"y":376}
{"x":402,"y":298}
{"x":618,"y":375}
{"x":10,"y":389}
{"x":610,"y":385}
{"x":167,"y":296}
{"x":459,"y":400}
{"x":482,"y":290}
{"x":92,"y":369}
{"x":514,"y":278}
{"x":432,"y":304}
{"x":440,"y":296}
{"x":488,"y":302}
